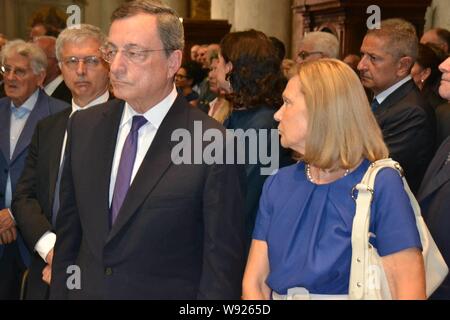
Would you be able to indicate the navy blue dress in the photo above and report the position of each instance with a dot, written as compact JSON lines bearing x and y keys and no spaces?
{"x":308,"y":227}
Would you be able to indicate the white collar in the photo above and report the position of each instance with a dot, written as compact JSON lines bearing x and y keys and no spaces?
{"x":155,"y":115}
{"x":386,"y":93}
{"x":99,"y":100}
{"x":29,"y":103}
{"x":52,"y":85}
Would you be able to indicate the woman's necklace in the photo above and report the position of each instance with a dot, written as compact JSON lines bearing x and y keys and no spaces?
{"x":310,"y":178}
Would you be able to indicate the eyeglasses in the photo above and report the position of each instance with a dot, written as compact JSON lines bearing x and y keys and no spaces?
{"x":132,"y":53}
{"x":90,"y":62}
{"x":18,"y":72}
{"x":305,"y":54}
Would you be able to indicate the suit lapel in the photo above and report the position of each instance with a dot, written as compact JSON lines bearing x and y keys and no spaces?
{"x":393,"y":98}
{"x":436,"y":175}
{"x":56,"y":139}
{"x":5,"y":119}
{"x":156,"y":163}
{"x":106,"y":143}
{"x":40,"y":111}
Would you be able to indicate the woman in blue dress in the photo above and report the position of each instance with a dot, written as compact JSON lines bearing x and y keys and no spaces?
{"x":302,"y":235}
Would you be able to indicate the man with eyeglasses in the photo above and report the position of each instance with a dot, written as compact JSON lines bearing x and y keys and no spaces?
{"x":317,"y":45}
{"x":54,"y":85}
{"x":138,"y":225}
{"x":36,"y":200}
{"x":23,"y":67}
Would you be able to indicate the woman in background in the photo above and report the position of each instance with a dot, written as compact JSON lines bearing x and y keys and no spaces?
{"x":189,"y":74}
{"x":249,"y":72}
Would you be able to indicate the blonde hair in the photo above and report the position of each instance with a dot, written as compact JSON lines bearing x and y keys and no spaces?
{"x":341,"y":127}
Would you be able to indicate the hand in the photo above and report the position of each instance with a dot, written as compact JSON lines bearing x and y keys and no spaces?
{"x":8,"y":236}
{"x":47,"y":274}
{"x":6,"y":222}
{"x":49,"y":258}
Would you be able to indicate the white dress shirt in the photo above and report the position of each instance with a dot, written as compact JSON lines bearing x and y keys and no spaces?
{"x":386,"y":93}
{"x":52,"y":85}
{"x":19,"y":117}
{"x":147,"y":132}
{"x":48,"y":240}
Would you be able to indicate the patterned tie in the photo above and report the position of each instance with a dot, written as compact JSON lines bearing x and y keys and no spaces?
{"x":374,"y":104}
{"x":448,"y":159}
{"x":126,"y":165}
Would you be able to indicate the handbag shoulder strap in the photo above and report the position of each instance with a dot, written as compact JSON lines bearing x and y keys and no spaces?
{"x":361,"y":223}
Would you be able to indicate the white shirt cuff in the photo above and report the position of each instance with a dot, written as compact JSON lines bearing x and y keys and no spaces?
{"x":12,"y":217}
{"x":45,"y":244}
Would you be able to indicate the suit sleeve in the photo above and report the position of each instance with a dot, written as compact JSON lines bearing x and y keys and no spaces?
{"x":224,"y":235}
{"x":410,"y":137}
{"x":68,"y":226}
{"x":31,"y":219}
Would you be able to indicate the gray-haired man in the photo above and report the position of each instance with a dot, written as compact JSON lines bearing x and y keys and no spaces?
{"x":23,"y":67}
{"x":36,"y":200}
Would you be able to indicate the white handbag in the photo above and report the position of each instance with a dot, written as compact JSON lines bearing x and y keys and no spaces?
{"x":367,"y":277}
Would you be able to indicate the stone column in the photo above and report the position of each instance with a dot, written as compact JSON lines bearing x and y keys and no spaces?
{"x":224,"y":10}
{"x":438,"y":15}
{"x":269,"y":16}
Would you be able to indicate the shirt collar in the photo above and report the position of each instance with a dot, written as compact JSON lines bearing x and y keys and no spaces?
{"x":29,"y":104}
{"x":52,"y":85}
{"x":99,"y":100}
{"x":386,"y":93}
{"x":155,"y":115}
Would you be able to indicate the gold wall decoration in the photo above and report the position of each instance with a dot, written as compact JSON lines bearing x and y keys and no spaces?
{"x":200,"y":9}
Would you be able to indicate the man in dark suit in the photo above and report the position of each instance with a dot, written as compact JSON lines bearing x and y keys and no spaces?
{"x":34,"y":204}
{"x":133,"y":224}
{"x":407,"y":121}
{"x":23,"y":68}
{"x":54,"y":85}
{"x":434,"y":194}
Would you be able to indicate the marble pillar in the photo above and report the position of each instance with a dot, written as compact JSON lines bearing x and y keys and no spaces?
{"x":271,"y":17}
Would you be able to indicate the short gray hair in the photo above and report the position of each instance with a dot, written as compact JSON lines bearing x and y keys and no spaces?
{"x":37,"y":57}
{"x":324,"y":42}
{"x":170,"y":28}
{"x":401,"y":38}
{"x":78,"y":34}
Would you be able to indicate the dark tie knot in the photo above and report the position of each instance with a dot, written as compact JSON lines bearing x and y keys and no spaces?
{"x":374,"y":104}
{"x":138,"y":122}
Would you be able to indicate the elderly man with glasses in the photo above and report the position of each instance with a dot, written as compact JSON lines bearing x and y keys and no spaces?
{"x":317,"y":45}
{"x":36,"y":200}
{"x":138,"y":224}
{"x":23,"y":67}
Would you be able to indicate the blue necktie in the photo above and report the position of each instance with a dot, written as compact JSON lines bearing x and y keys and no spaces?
{"x":374,"y":104}
{"x":126,"y":165}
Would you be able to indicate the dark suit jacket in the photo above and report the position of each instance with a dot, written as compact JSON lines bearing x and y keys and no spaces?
{"x":180,"y":231}
{"x":44,"y":107}
{"x":443,"y":122}
{"x":2,"y":89}
{"x":434,"y":199}
{"x":35,"y":192}
{"x":33,"y":199}
{"x":409,"y":128}
{"x":62,"y":92}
